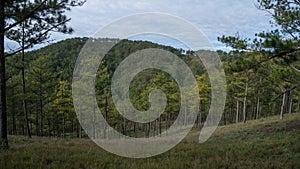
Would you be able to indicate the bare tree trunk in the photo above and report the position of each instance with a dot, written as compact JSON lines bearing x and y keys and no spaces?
{"x":237,"y":111}
{"x":245,"y":102}
{"x":230,"y":114}
{"x":30,"y":123}
{"x":14,"y":129}
{"x":253,"y":105}
{"x":200,"y":120}
{"x":257,"y":107}
{"x":24,"y":85}
{"x":282,"y":106}
{"x":41,"y":118}
{"x":124,"y":126}
{"x":49,"y":128}
{"x":3,"y":112}
{"x":298,"y":105}
{"x":260,"y":109}
{"x":41,"y":108}
{"x":23,"y":128}
{"x":290,"y":101}
{"x":37,"y":120}
{"x":167,"y":122}
{"x":134,"y":129}
{"x":197,"y":121}
{"x":57,"y":126}
{"x":72,"y":128}
{"x":149,"y":129}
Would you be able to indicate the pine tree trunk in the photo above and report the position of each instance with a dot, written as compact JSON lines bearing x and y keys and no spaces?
{"x":57,"y":126}
{"x":298,"y":105}
{"x":237,"y":111}
{"x":257,"y":108}
{"x":149,"y":129}
{"x":200,"y":120}
{"x":245,"y":103}
{"x":282,"y":106}
{"x":37,"y":120}
{"x":167,"y":123}
{"x":291,"y":102}
{"x":134,"y":129}
{"x":41,"y":108}
{"x":230,"y":118}
{"x":124,"y":126}
{"x":49,"y":128}
{"x":24,"y":86}
{"x":3,"y":113}
{"x":72,"y":128}
{"x":253,"y":105}
{"x":23,"y":128}
{"x":14,"y":129}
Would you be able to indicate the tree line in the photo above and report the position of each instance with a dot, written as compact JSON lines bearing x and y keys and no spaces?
{"x":253,"y":92}
{"x":262,"y":73}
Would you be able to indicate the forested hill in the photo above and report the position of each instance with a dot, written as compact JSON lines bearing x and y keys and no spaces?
{"x":48,"y":74}
{"x":63,"y":54}
{"x":263,"y":90}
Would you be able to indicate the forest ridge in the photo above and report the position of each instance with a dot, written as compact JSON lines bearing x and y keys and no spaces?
{"x":262,"y":90}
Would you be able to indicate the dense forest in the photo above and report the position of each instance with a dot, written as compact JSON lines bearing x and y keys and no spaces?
{"x":253,"y":90}
{"x":260,"y":119}
{"x":40,"y":126}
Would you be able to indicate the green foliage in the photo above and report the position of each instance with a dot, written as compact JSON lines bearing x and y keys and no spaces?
{"x":281,"y":44}
{"x":286,"y":14}
{"x":36,"y":19}
{"x":48,"y":67}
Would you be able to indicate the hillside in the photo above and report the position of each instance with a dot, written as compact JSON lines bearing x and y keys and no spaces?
{"x":265,"y":143}
{"x":48,"y":74}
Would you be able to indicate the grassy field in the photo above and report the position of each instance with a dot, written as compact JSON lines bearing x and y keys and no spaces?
{"x":265,"y":143}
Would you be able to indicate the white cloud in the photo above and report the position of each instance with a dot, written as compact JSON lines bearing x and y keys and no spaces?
{"x":214,"y":17}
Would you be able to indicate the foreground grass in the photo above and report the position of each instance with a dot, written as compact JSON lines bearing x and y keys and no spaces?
{"x":265,"y":143}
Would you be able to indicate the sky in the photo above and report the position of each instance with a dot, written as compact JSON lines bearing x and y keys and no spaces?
{"x":213,"y":17}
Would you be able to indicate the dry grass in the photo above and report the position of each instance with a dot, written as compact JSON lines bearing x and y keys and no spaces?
{"x":264,"y":143}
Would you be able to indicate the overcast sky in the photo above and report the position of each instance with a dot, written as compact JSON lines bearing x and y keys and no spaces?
{"x":214,"y":17}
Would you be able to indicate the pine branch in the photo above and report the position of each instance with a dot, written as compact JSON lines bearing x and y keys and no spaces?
{"x":288,"y":90}
{"x":37,"y":39}
{"x":278,"y":55}
{"x":294,"y":68}
{"x":25,"y":17}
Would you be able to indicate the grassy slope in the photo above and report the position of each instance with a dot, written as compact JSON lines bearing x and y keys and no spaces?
{"x":265,"y":143}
